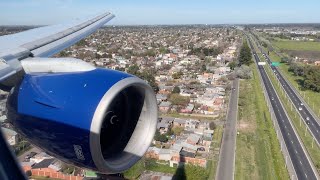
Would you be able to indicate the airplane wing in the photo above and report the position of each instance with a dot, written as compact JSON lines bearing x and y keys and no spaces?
{"x":43,"y":42}
{"x":39,"y":42}
{"x":96,"y":118}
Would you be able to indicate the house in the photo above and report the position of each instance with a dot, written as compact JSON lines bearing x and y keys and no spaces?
{"x":163,"y":127}
{"x":179,"y":122}
{"x":161,"y":97}
{"x":193,"y":139}
{"x":40,"y":157}
{"x":154,"y":176}
{"x":11,"y":136}
{"x":168,"y":120}
{"x":178,"y":159}
{"x":192,"y":124}
{"x":189,"y":147}
{"x":51,"y":164}
{"x":165,"y":106}
{"x":218,"y":102}
{"x":188,"y":109}
{"x":153,"y":152}
{"x":208,"y":133}
{"x":176,"y":148}
{"x":317,"y":63}
{"x":3,"y":119}
{"x":50,"y":168}
{"x":165,"y":154}
{"x":26,"y":166}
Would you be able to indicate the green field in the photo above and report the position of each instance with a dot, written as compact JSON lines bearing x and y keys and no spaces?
{"x":297,"y":45}
{"x":258,"y":154}
{"x":216,"y":143}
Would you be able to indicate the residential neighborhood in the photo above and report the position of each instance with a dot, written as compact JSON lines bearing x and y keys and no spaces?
{"x":188,"y":68}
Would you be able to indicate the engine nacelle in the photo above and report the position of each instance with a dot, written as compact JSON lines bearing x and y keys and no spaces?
{"x":102,"y":120}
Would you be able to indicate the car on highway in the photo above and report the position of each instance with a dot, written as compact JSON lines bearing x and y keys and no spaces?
{"x":308,"y":122}
{"x":301,"y":104}
{"x":300,"y":108}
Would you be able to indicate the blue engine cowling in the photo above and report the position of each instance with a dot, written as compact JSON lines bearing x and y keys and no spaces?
{"x":102,"y":120}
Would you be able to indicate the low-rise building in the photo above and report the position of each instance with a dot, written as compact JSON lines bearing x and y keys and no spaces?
{"x":178,"y":159}
{"x":165,"y":106}
{"x":11,"y":136}
{"x":188,"y":109}
{"x":179,"y":122}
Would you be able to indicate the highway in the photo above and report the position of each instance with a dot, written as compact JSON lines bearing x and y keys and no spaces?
{"x":298,"y":156}
{"x":305,"y":113}
{"x":225,"y":169}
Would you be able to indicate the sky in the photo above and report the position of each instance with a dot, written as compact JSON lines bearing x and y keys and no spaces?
{"x":154,"y":12}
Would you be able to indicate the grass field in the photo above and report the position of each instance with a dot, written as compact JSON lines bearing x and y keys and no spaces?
{"x":297,"y":45}
{"x":216,"y":144}
{"x":258,"y":154}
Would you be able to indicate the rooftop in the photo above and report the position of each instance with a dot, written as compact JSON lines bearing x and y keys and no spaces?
{"x":8,"y":132}
{"x":43,"y":164}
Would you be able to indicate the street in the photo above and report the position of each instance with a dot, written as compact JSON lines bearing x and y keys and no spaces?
{"x":226,"y":162}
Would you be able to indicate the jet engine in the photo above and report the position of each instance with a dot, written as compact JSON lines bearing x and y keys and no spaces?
{"x":99,"y":119}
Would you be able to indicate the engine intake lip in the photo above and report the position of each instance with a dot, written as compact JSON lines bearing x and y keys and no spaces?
{"x":140,"y":139}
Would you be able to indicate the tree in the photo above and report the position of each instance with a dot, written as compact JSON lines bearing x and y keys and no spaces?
{"x":146,"y":75}
{"x":177,"y":75}
{"x":169,"y":132}
{"x":223,"y":79}
{"x":244,"y":72}
{"x":176,"y":90}
{"x":312,"y":78}
{"x":163,"y":50}
{"x":245,"y":56}
{"x":176,"y":99}
{"x":82,"y":42}
{"x":28,"y":173}
{"x":149,"y":77}
{"x":134,"y":70}
{"x":232,"y":65}
{"x":150,"y":52}
{"x":296,"y":69}
{"x":212,"y":125}
{"x":177,"y":130}
{"x":160,"y":137}
{"x":203,"y":68}
{"x":284,"y":59}
{"x":63,"y":54}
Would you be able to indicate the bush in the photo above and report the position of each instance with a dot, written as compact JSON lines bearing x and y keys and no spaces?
{"x":177,"y":130}
{"x":212,"y":126}
{"x":28,"y":173}
{"x":244,"y":72}
{"x":176,"y":90}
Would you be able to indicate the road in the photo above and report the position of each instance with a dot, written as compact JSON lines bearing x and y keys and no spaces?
{"x":298,"y":103}
{"x":225,"y":169}
{"x":22,"y":156}
{"x":300,"y":161}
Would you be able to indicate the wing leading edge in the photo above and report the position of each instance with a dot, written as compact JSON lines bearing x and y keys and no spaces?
{"x":43,"y":42}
